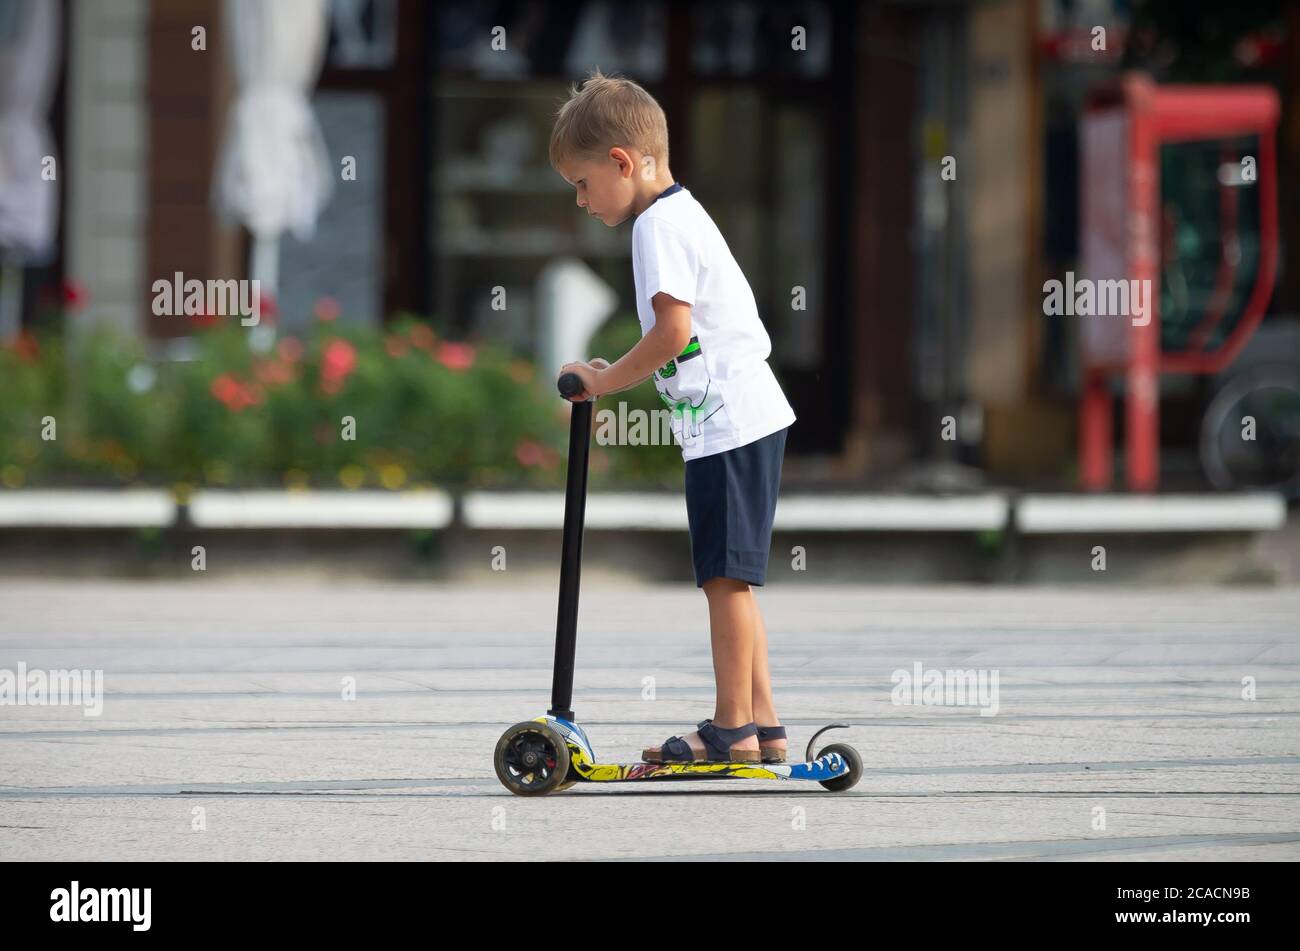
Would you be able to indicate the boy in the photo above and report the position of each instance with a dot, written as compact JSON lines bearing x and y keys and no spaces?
{"x":704,"y":344}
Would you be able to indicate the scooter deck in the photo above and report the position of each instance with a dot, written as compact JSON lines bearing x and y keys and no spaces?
{"x":583,"y":765}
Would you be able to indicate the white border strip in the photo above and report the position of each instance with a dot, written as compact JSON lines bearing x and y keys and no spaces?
{"x":1246,"y":512}
{"x":893,"y":513}
{"x":1035,"y":514}
{"x":647,"y":510}
{"x":321,"y":509}
{"x":665,"y":511}
{"x":87,"y":508}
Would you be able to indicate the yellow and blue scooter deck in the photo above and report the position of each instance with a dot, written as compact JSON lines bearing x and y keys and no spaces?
{"x":584,"y":768}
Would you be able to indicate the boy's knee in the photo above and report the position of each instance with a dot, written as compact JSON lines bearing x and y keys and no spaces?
{"x":723,"y":584}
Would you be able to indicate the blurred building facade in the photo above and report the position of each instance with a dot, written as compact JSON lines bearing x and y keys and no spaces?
{"x":821,"y":162}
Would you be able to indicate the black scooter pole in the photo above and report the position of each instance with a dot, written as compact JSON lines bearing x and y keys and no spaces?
{"x":575,"y":505}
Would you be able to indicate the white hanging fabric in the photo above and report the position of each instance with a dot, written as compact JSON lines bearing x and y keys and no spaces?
{"x":274,"y":173}
{"x":29,"y":194}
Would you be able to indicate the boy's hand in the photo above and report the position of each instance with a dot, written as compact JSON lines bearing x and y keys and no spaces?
{"x":589,"y":373}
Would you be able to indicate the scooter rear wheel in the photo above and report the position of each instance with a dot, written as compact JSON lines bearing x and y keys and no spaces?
{"x":531,"y":759}
{"x":849,"y":779}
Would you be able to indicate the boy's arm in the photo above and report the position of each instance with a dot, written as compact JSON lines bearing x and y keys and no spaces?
{"x":622,"y":388}
{"x":667,"y":338}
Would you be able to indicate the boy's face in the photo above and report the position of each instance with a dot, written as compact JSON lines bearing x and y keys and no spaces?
{"x":605,"y":185}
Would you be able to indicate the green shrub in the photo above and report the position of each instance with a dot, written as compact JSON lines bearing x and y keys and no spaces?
{"x":345,"y":405}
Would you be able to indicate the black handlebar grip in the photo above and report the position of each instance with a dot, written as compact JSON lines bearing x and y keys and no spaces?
{"x":570,"y":385}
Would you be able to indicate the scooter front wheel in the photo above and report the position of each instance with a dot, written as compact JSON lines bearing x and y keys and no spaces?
{"x":531,"y":759}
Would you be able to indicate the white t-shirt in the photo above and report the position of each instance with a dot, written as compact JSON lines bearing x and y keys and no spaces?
{"x":721,"y":391}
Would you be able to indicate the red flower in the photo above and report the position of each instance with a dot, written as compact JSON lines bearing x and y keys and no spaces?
{"x":289,"y":349}
{"x":228,"y":391}
{"x":273,"y":372}
{"x":267,"y":308}
{"x":422,"y":336}
{"x":26,"y":346}
{"x":75,"y":296}
{"x":327,"y":309}
{"x":456,"y":356}
{"x":530,"y":453}
{"x":338,"y":360}
{"x":396,"y":346}
{"x":235,"y":395}
{"x":202,"y":321}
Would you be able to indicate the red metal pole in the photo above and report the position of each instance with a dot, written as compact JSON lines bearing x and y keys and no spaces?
{"x":1096,"y":446}
{"x":1142,"y":389}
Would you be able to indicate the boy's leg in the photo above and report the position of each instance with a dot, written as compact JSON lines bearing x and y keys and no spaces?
{"x":761,"y":691}
{"x":730,"y":506}
{"x":731,"y":630}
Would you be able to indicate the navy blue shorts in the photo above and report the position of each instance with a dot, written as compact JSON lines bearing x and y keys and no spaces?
{"x":730,"y":505}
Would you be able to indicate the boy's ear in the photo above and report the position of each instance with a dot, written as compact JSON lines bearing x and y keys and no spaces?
{"x":625,"y":164}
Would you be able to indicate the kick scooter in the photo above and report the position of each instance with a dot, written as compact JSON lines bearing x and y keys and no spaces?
{"x":552,"y":753}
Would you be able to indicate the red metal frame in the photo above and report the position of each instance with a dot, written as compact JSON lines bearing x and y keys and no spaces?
{"x":1158,"y":116}
{"x":1226,"y":277}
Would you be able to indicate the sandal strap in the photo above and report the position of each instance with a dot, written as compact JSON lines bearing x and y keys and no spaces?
{"x":719,"y":740}
{"x":764,"y":732}
{"x":676,"y":750}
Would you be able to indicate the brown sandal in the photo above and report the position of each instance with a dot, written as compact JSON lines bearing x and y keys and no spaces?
{"x":771,"y":754}
{"x":717,"y":746}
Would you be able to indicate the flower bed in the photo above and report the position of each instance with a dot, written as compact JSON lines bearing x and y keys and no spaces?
{"x":343,"y":405}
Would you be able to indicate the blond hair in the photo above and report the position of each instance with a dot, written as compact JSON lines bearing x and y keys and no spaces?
{"x":608,"y":111}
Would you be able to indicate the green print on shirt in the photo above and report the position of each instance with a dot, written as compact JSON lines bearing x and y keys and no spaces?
{"x":709,"y":402}
{"x":669,"y":369}
{"x":680,"y":407}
